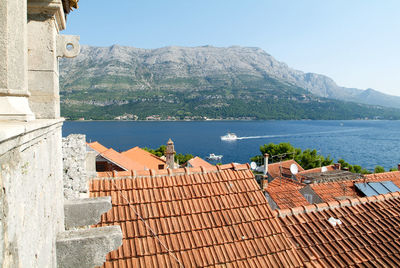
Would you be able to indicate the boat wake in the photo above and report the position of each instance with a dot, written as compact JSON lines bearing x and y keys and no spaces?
{"x":297,"y":134}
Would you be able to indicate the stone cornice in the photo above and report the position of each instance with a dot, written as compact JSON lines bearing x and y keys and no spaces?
{"x":51,"y":7}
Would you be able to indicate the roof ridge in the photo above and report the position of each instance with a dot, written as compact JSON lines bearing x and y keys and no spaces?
{"x":366,"y":177}
{"x":335,"y":204}
{"x":312,"y":169}
{"x":383,"y":173}
{"x":288,"y":180}
{"x":136,"y":148}
{"x":171,"y":172}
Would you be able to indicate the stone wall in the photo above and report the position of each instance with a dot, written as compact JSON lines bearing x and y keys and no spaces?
{"x":31,"y":200}
{"x":75,"y":166}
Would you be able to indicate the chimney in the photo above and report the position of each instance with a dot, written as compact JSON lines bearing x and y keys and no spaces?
{"x":337,"y":166}
{"x":398,"y":167}
{"x":170,"y":154}
{"x":265,"y":164}
{"x":264,"y":183}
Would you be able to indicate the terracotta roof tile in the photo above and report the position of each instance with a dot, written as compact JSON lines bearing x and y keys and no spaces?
{"x":97,"y":147}
{"x":285,"y":193}
{"x":368,"y":234}
{"x":229,"y":223}
{"x":122,"y":161}
{"x":276,"y":170}
{"x":146,"y":159}
{"x":317,"y":170}
{"x":198,"y":162}
{"x":332,"y":191}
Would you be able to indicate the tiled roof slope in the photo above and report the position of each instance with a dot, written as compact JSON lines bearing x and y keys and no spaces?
{"x":202,"y":217}
{"x":317,"y":170}
{"x":199,"y":162}
{"x":144,"y":158}
{"x":332,"y":190}
{"x":368,"y":236}
{"x":120,"y":160}
{"x":285,"y":193}
{"x":97,"y":147}
{"x":274,"y":169}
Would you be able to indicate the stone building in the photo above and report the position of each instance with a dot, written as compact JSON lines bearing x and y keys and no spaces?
{"x":37,"y":226}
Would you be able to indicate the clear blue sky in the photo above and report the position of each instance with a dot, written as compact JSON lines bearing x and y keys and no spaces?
{"x":355,"y":42}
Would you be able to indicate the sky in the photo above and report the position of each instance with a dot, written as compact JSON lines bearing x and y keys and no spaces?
{"x":355,"y":42}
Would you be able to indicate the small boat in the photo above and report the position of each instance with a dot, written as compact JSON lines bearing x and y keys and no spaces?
{"x":214,"y":157}
{"x":229,"y":137}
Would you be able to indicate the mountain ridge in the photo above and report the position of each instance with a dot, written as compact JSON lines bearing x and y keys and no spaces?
{"x":231,"y":72}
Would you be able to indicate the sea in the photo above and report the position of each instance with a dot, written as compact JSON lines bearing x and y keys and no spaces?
{"x":367,"y":142}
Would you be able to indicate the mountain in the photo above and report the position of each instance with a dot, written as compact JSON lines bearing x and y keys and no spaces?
{"x":104,"y":82}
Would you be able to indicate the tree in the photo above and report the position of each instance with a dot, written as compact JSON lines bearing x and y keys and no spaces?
{"x":379,"y":169}
{"x":353,"y":168}
{"x":160,"y":151}
{"x":311,"y":159}
{"x":394,"y":169}
{"x":182,"y":159}
{"x":285,"y":151}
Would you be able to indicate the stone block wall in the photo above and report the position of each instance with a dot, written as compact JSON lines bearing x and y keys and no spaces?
{"x":74,"y":166}
{"x":31,"y":200}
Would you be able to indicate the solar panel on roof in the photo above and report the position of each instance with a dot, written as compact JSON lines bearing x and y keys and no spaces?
{"x":379,"y":188}
{"x":365,"y":189}
{"x":390,"y":186}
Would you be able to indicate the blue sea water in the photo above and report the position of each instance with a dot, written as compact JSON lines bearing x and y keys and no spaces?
{"x":366,"y":143}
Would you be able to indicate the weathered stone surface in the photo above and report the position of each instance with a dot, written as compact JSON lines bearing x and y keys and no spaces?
{"x":31,"y":183}
{"x":43,"y":66}
{"x":74,"y":162}
{"x":84,"y":212}
{"x":91,"y":163}
{"x":13,"y":59}
{"x":87,"y":247}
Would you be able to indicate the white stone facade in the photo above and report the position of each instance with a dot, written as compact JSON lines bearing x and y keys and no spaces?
{"x":31,"y":168}
{"x":32,"y":200}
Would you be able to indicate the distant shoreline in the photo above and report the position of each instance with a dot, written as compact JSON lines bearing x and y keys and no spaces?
{"x":225,"y":120}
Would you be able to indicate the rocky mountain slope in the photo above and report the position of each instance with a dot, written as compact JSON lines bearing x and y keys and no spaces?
{"x":209,"y":76}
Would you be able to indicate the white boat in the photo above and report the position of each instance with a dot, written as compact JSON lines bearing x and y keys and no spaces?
{"x":229,"y":137}
{"x":214,"y":157}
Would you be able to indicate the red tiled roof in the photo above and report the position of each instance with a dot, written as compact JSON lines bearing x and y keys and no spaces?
{"x":368,"y":235}
{"x":274,"y":169}
{"x":193,"y":217}
{"x":316,"y":170}
{"x":121,"y":160}
{"x":149,"y":160}
{"x":332,"y":190}
{"x":285,"y":193}
{"x":97,"y":147}
{"x":199,"y":162}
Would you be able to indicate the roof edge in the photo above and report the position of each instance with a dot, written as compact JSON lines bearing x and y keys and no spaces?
{"x":170,"y":172}
{"x":335,"y":204}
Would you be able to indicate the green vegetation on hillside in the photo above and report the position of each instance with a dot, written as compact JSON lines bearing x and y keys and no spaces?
{"x":220,"y":104}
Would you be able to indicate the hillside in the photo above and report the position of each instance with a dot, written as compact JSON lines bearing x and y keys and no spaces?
{"x":104,"y":82}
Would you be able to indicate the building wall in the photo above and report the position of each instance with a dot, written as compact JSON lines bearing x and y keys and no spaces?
{"x":31,"y":199}
{"x":74,"y":166}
